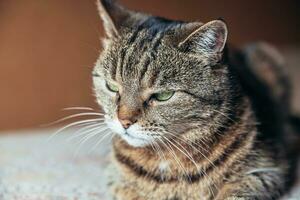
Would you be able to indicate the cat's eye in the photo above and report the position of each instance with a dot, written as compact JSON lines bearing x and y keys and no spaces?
{"x":164,"y":96}
{"x":112,"y":87}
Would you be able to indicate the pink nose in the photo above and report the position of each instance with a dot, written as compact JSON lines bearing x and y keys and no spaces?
{"x":126,"y":123}
{"x":128,"y":116}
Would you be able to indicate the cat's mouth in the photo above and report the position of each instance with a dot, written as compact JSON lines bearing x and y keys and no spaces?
{"x":133,"y":135}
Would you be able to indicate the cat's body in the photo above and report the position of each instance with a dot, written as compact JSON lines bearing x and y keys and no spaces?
{"x":190,"y":124}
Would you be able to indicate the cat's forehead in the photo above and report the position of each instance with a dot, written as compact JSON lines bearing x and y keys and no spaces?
{"x":161,"y":69}
{"x":144,"y":57}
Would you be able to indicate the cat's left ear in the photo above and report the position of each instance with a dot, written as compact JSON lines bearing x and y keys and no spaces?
{"x":114,"y":16}
{"x":208,"y":38}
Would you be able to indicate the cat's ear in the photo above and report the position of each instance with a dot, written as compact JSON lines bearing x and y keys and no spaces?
{"x":208,"y":38}
{"x":114,"y":16}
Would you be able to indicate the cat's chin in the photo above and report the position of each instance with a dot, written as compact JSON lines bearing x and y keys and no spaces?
{"x":135,"y":142}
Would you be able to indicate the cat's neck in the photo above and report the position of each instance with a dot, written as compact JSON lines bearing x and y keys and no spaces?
{"x":178,"y":160}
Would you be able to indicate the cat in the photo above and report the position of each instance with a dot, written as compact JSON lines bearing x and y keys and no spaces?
{"x":194,"y":117}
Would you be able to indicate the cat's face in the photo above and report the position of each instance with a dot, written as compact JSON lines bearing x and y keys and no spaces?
{"x":159,"y":80}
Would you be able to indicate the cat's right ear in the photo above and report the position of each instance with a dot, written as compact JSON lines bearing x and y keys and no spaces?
{"x":114,"y":16}
{"x":209,"y":38}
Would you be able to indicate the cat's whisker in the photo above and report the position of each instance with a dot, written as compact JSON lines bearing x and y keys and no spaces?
{"x":174,"y":135}
{"x":112,"y":137}
{"x":106,"y":133}
{"x":187,"y":142}
{"x":89,"y":130}
{"x":224,"y":114}
{"x":86,"y":135}
{"x":154,"y":150}
{"x":185,"y":152}
{"x":77,"y":108}
{"x":72,"y":125}
{"x":171,"y":150}
{"x":205,"y":175}
{"x":161,"y":153}
{"x":86,"y":127}
{"x":180,"y":150}
{"x":191,"y":145}
{"x":99,"y":129}
{"x":89,"y":136}
{"x":74,"y":116}
{"x":166,"y":147}
{"x":153,"y":144}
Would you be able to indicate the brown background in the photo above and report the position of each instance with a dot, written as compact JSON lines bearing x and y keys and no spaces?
{"x":48,"y":47}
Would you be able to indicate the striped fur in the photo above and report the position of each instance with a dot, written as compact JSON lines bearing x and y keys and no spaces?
{"x":206,"y":141}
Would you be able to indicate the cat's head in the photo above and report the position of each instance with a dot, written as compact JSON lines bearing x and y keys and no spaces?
{"x":159,"y":79}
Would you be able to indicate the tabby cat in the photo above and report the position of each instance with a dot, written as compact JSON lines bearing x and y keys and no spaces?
{"x":194,"y":118}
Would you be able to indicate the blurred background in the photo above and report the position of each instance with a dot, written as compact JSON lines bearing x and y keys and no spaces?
{"x":48,"y":47}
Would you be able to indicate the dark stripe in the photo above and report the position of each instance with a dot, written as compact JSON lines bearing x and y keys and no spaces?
{"x":156,"y":41}
{"x":121,"y":62}
{"x":210,"y":101}
{"x":140,"y":171}
{"x":265,"y":185}
{"x":235,"y":146}
{"x":95,"y":74}
{"x":114,"y":68}
{"x":145,"y":24}
{"x":131,"y":40}
{"x":135,"y":33}
{"x":154,"y":25}
{"x":168,"y":25}
{"x":238,"y":109}
{"x":144,"y":69}
{"x":154,"y":77}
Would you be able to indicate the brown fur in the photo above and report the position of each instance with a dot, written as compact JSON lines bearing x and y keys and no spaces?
{"x":222,"y":164}
{"x":211,"y":139}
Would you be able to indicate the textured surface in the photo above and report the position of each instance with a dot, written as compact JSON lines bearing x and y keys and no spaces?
{"x":33,"y":168}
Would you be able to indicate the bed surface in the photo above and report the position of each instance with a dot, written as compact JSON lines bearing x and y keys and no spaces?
{"x":32,"y":167}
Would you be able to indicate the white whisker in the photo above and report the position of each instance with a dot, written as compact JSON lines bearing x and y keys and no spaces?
{"x":198,"y":168}
{"x":203,"y":172}
{"x":71,"y":125}
{"x":160,"y":152}
{"x":171,"y":150}
{"x":74,"y":116}
{"x":78,"y":108}
{"x":191,"y":145}
{"x":106,"y":133}
{"x":224,"y":115}
{"x":89,"y":136}
{"x":87,"y":130}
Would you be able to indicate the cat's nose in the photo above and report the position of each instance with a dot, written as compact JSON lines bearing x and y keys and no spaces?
{"x":127,"y":116}
{"x":126,"y":123}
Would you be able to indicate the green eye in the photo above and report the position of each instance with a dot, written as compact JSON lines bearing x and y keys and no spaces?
{"x":164,"y":96}
{"x":112,"y":87}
